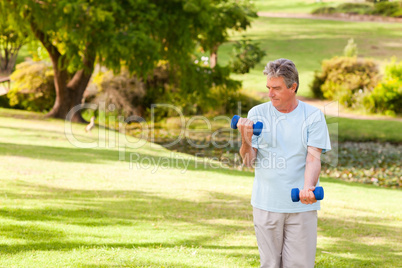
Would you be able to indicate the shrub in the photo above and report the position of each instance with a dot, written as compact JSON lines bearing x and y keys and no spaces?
{"x":33,"y":87}
{"x":390,"y":9}
{"x":324,"y":11}
{"x":315,"y":86}
{"x":4,"y":101}
{"x":387,"y":95}
{"x":342,"y":77}
{"x":352,"y":8}
{"x":380,"y":7}
{"x":376,"y":1}
{"x":123,"y":90}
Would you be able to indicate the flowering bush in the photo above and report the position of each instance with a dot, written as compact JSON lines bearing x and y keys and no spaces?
{"x":342,"y":78}
{"x":33,"y":87}
{"x":387,"y":95}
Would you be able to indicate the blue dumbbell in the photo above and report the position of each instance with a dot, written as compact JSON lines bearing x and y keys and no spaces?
{"x":318,"y":192}
{"x":257,"y":127}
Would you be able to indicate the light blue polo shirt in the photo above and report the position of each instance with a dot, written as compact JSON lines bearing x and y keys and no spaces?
{"x":282,"y":152}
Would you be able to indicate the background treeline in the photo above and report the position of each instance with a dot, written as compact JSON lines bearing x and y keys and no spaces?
{"x":379,"y":8}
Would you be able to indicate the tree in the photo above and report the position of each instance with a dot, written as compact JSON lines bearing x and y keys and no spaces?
{"x":225,"y":15}
{"x":76,"y":33}
{"x":11,"y":41}
{"x":245,"y":56}
{"x":132,"y":33}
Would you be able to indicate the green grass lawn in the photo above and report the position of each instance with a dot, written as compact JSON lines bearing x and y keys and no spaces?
{"x":368,"y":130}
{"x":63,"y":206}
{"x":307,"y":42}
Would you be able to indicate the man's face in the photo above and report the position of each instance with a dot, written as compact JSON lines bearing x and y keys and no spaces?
{"x":281,"y":96}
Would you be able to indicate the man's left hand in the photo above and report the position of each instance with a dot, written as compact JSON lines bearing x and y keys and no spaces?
{"x":307,"y":196}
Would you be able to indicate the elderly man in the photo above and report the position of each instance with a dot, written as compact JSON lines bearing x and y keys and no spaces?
{"x":286,"y":155}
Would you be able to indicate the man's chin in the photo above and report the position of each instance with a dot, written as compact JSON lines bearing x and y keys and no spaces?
{"x":275,"y":102}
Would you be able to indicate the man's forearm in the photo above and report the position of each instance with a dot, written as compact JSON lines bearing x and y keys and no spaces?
{"x":248,"y":154}
{"x":312,"y":172}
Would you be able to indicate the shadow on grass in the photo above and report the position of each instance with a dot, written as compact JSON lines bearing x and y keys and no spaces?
{"x":137,"y":209}
{"x":101,"y":156}
{"x":22,"y":114}
{"x":53,"y":134}
{"x":121,"y":205}
{"x":357,"y":243}
{"x":220,"y":214}
{"x":141,"y":264}
{"x":118,"y":208}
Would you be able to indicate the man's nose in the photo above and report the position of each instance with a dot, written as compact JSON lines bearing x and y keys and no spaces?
{"x":271,"y":93}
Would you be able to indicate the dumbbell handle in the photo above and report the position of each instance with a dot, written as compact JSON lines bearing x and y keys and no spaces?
{"x":318,"y":192}
{"x":257,"y":127}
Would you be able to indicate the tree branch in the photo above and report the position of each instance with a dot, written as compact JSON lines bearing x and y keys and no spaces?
{"x":51,"y":49}
{"x":81,"y":77}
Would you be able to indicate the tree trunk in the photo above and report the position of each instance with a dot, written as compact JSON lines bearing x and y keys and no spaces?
{"x":214,"y":56}
{"x":69,"y":92}
{"x":7,"y":62}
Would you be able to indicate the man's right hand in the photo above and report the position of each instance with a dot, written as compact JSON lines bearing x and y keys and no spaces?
{"x":245,"y":127}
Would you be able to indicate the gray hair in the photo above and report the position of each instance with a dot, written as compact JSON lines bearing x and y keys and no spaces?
{"x":285,"y":68}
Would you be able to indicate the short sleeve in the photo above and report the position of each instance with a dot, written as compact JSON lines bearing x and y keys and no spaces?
{"x":317,"y":132}
{"x":255,"y":139}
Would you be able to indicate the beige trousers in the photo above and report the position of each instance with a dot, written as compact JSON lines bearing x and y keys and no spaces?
{"x":287,"y":240}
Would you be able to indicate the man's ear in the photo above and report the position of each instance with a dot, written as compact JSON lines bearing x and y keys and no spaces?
{"x":294,"y":86}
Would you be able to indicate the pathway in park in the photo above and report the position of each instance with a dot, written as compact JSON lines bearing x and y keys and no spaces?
{"x":338,"y":17}
{"x":334,"y":109}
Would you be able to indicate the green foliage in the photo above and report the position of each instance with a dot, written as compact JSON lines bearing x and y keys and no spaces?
{"x":245,"y":56}
{"x":136,"y":35}
{"x":343,"y":78}
{"x":139,"y":33}
{"x":354,"y":8}
{"x":123,"y":91}
{"x":324,"y":11}
{"x":11,"y":40}
{"x":387,"y":95}
{"x":77,"y":26}
{"x":37,"y":51}
{"x":194,"y":90}
{"x":316,"y":84}
{"x":200,"y":89}
{"x":351,"y":49}
{"x":376,"y":1}
{"x":222,"y":16}
{"x":383,"y":8}
{"x":390,"y":9}
{"x":33,"y":87}
{"x":4,"y":101}
{"x":348,"y":8}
